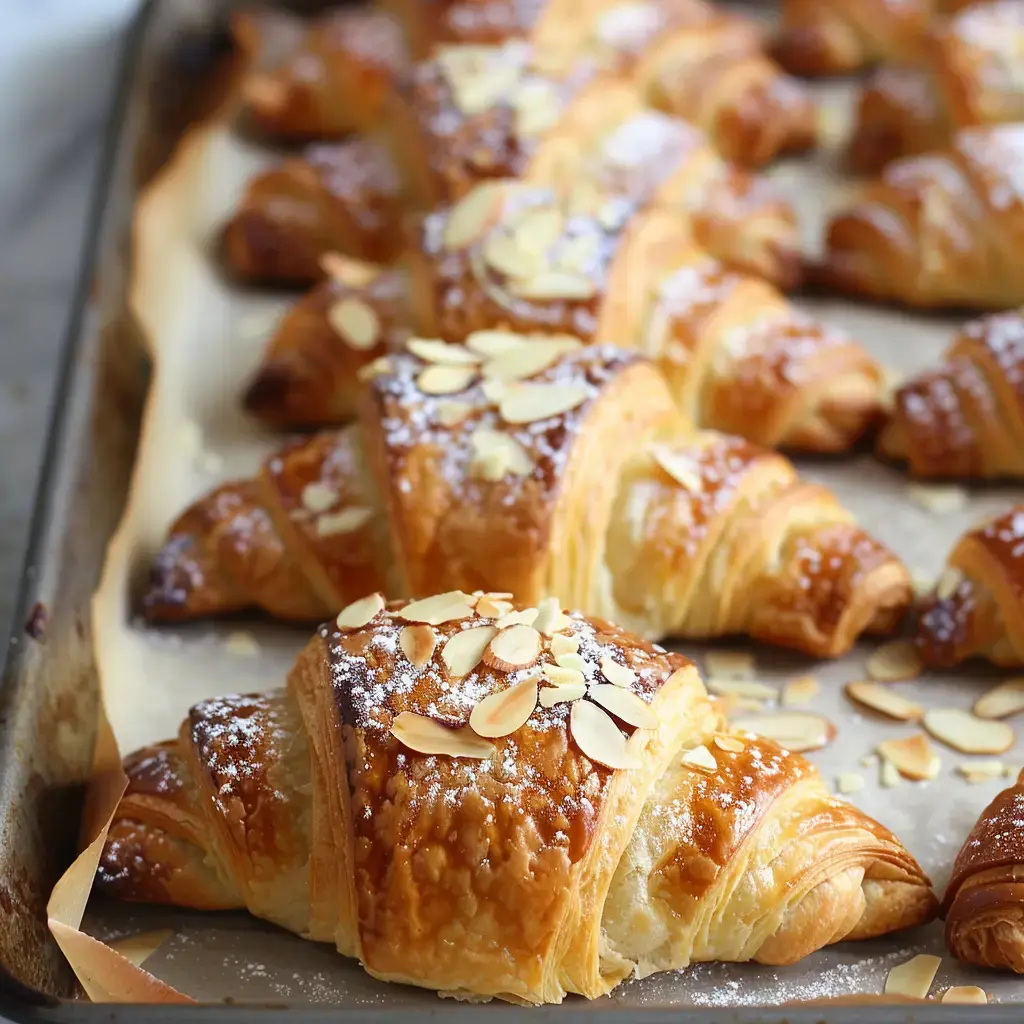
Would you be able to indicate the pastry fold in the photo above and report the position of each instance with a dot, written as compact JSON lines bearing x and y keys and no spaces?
{"x":363,"y":805}
{"x":535,"y":467}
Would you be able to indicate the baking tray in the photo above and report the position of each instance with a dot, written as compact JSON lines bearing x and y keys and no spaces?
{"x":175,"y":65}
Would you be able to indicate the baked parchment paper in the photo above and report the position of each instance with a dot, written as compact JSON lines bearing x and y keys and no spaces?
{"x":205,"y":337}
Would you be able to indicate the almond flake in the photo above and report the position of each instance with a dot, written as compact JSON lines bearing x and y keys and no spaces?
{"x":493,"y":608}
{"x":528,"y":403}
{"x":947,"y":584}
{"x":503,"y":713}
{"x":888,"y":774}
{"x":579,"y":254}
{"x":619,"y":675}
{"x":562,"y":644}
{"x":425,"y":736}
{"x":730,"y":744}
{"x":564,"y":693}
{"x":962,"y":731}
{"x":680,"y":467}
{"x":965,"y":994}
{"x":504,"y":254}
{"x":349,"y":271}
{"x":345,"y":521}
{"x":513,"y":648}
{"x":441,"y":379}
{"x":700,"y":758}
{"x":913,"y":756}
{"x":597,"y":735}
{"x":868,"y":760}
{"x":980,"y":771}
{"x":471,"y":216}
{"x":1001,"y":701}
{"x":922,"y":584}
{"x":801,"y":690}
{"x":494,"y":390}
{"x":452,"y":413}
{"x":729,"y":664}
{"x":490,"y":344}
{"x":355,"y":323}
{"x":549,"y":616}
{"x":796,"y":731}
{"x":417,"y":644}
{"x":463,"y":651}
{"x":742,"y":688}
{"x":895,"y":662}
{"x":525,"y":361}
{"x":241,"y":644}
{"x":359,"y":613}
{"x":317,"y":497}
{"x":430,"y":350}
{"x":624,"y":705}
{"x":849,"y":782}
{"x":537,"y":108}
{"x":539,"y":228}
{"x":914,"y":978}
{"x":497,"y":455}
{"x":938,"y":500}
{"x":439,"y":608}
{"x":380,"y":366}
{"x":571,"y":660}
{"x":884,"y":700}
{"x":562,"y":676}
{"x":551,"y":285}
{"x":525,"y":617}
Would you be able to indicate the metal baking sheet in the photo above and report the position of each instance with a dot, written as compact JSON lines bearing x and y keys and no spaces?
{"x":203,"y":339}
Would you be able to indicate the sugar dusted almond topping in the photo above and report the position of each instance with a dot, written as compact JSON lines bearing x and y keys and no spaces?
{"x":912,"y":756}
{"x":492,"y":343}
{"x":563,"y":693}
{"x":492,"y":607}
{"x":797,"y":731}
{"x":359,"y":613}
{"x":948,"y":582}
{"x":355,"y":323}
{"x":597,"y":735}
{"x":913,"y":978}
{"x":615,"y":673}
{"x":537,"y":108}
{"x":939,"y":500}
{"x":801,"y":690}
{"x":494,"y":390}
{"x":417,"y":644}
{"x":349,"y":271}
{"x":729,"y":664}
{"x":555,"y":284}
{"x":884,"y":700}
{"x":579,"y":254}
{"x":440,"y":608}
{"x":345,"y":521}
{"x":730,"y":744}
{"x":888,"y":774}
{"x":624,"y":705}
{"x":504,"y":254}
{"x":380,"y":366}
{"x":680,"y":467}
{"x":562,"y":676}
{"x":980,"y":771}
{"x":452,"y":413}
{"x":849,"y":782}
{"x":525,"y":361}
{"x":441,"y":379}
{"x":318,"y":497}
{"x":504,"y":712}
{"x":539,"y":228}
{"x":527,"y":403}
{"x":700,"y":758}
{"x":962,"y":731}
{"x":430,"y":350}
{"x":550,"y":618}
{"x":571,"y":660}
{"x":525,"y":616}
{"x":562,"y":644}
{"x":513,"y":648}
{"x":1001,"y":701}
{"x":463,"y":651}
{"x":965,"y":994}
{"x":471,"y":216}
{"x":497,"y":455}
{"x":894,"y":662}
{"x":742,"y":688}
{"x":425,"y":736}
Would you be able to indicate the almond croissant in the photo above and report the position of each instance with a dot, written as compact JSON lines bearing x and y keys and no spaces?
{"x":504,"y":803}
{"x":536,"y":468}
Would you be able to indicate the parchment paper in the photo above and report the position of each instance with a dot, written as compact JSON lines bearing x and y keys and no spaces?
{"x":205,"y":338}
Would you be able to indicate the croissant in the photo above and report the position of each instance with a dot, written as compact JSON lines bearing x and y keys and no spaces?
{"x":984,"y":902}
{"x":966,"y":418}
{"x":938,"y":230}
{"x":976,"y":608}
{"x":500,"y":802}
{"x":320,"y":79}
{"x":969,"y":75}
{"x":535,"y":467}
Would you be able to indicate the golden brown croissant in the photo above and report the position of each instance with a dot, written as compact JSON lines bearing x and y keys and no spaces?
{"x":319,"y":79}
{"x":511,"y":803}
{"x":943,"y":229}
{"x":984,"y":901}
{"x":535,"y":467}
{"x":343,"y":198}
{"x":970,"y":74}
{"x":965,"y":418}
{"x":976,"y":609}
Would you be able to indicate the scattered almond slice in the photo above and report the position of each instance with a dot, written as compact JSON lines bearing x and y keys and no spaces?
{"x":965,"y":994}
{"x":922,"y":584}
{"x":564,"y":692}
{"x":597,"y":735}
{"x":493,"y":608}
{"x":490,"y":344}
{"x":615,"y":673}
{"x":425,"y":736}
{"x":525,"y":617}
{"x":349,"y":271}
{"x":417,"y":644}
{"x":742,"y":688}
{"x":549,"y":618}
{"x":730,"y":744}
{"x":359,"y":613}
{"x":884,"y":700}
{"x":471,"y":216}
{"x":528,"y":403}
{"x":496,"y":455}
{"x":571,"y":660}
{"x":241,"y":644}
{"x":445,"y":379}
{"x":947,"y":583}
{"x":895,"y":662}
{"x":437,"y":609}
{"x":525,"y":361}
{"x":624,"y":705}
{"x":504,"y":254}
{"x":1001,"y":701}
{"x":981,"y":771}
{"x":355,"y":322}
{"x":797,"y":731}
{"x":801,"y":690}
{"x":432,"y":350}
{"x":562,"y":644}
{"x":452,"y":412}
{"x":849,"y":782}
{"x":700,"y":758}
{"x":681,"y":467}
{"x":318,"y":497}
{"x":463,"y":651}
{"x":380,"y":366}
{"x":938,"y":499}
{"x":729,"y":664}
{"x":503,"y":713}
{"x":515,"y":647}
{"x":913,"y":978}
{"x":346,"y":521}
{"x":562,"y":676}
{"x":912,"y":756}
{"x":963,"y":732}
{"x":888,"y":774}
{"x":554,"y":284}
{"x":868,"y":760}
{"x":494,"y":390}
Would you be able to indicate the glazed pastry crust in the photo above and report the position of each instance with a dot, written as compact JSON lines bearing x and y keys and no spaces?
{"x":317,"y":816}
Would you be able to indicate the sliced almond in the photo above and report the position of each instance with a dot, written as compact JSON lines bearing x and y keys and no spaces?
{"x":525,"y":361}
{"x":241,"y":644}
{"x":452,"y":413}
{"x":965,"y":994}
{"x":490,"y":344}
{"x":425,"y":736}
{"x":797,"y":731}
{"x":503,"y":253}
{"x":868,"y":760}
{"x":888,"y":774}
{"x":562,"y":644}
{"x":895,"y":662}
{"x":503,"y":713}
{"x":355,"y":323}
{"x":624,"y":705}
{"x":349,"y":271}
{"x":513,"y":648}
{"x":430,"y":350}
{"x":528,"y":403}
{"x":562,"y":676}
{"x":417,"y":644}
{"x":554,"y":285}
{"x":346,"y":521}
{"x":730,"y":744}
{"x":571,"y":660}
{"x":619,"y":675}
{"x":913,"y":978}
{"x":463,"y":651}
{"x":525,"y":617}
{"x":884,"y":700}
{"x":597,"y":735}
{"x":539,"y":228}
{"x":579,"y":254}
{"x":380,"y":366}
{"x":962,"y":731}
{"x":947,"y":583}
{"x":472,"y":216}
{"x":922,"y":584}
{"x":494,"y":390}
{"x":563,"y":693}
{"x":681,"y":467}
{"x":729,"y":664}
{"x":801,"y":690}
{"x":359,"y":613}
{"x":493,"y":608}
{"x":939,"y":500}
{"x":537,"y":108}
{"x":318,"y":497}
{"x":980,"y":771}
{"x":437,"y":609}
{"x":441,"y":379}
{"x":700,"y":758}
{"x":1001,"y":701}
{"x":742,"y":688}
{"x":497,"y":455}
{"x":849,"y":782}
{"x":912,"y":756}
{"x":550,"y":617}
